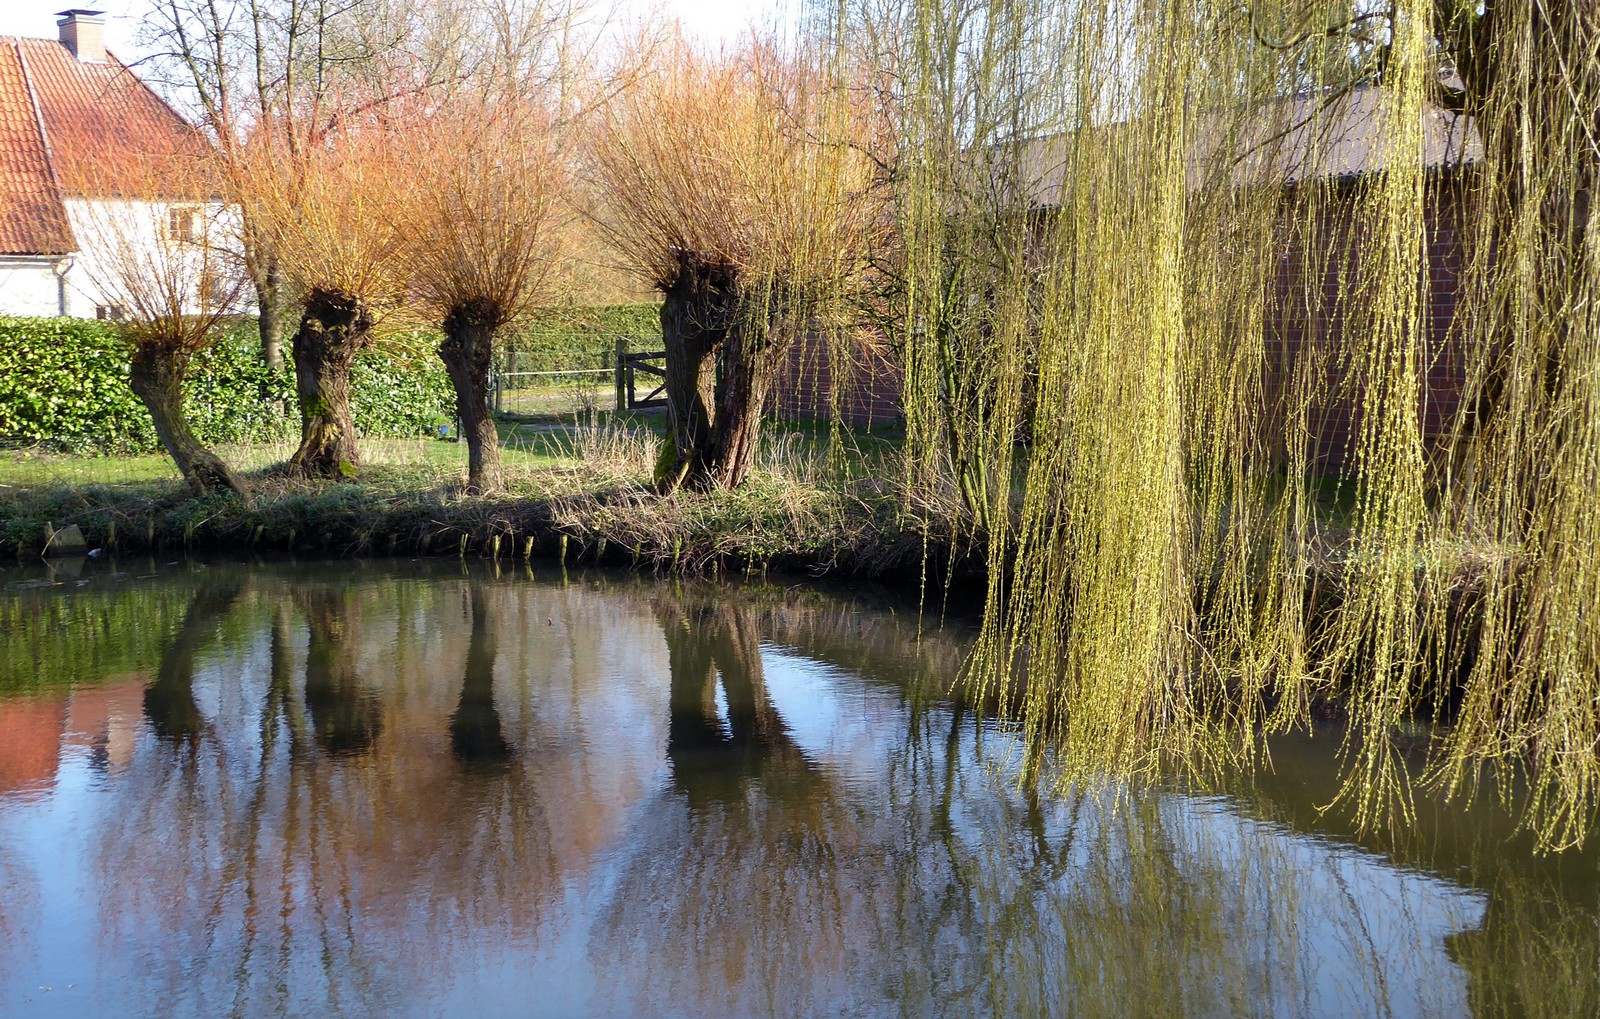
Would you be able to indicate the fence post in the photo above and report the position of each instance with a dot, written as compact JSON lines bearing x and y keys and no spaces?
{"x":622,"y":382}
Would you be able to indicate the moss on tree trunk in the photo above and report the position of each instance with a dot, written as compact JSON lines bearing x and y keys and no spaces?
{"x":333,"y":328}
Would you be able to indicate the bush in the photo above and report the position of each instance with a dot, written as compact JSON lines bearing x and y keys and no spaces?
{"x":399,"y":387}
{"x":575,"y":338}
{"x":231,"y":396}
{"x":66,"y":388}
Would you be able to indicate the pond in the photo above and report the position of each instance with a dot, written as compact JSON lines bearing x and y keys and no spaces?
{"x":445,"y":788}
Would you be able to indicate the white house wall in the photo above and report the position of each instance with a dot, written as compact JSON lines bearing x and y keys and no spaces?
{"x":29,"y":287}
{"x":111,"y":232}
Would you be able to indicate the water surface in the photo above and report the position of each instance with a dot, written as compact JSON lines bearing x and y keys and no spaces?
{"x":421,"y":789}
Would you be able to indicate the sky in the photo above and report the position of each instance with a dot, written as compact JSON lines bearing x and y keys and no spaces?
{"x":713,"y":20}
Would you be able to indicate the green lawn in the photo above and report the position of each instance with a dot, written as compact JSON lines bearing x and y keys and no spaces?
{"x":525,"y":442}
{"x":48,"y":470}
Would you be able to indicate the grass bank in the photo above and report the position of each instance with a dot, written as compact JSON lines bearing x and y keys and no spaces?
{"x":578,"y":489}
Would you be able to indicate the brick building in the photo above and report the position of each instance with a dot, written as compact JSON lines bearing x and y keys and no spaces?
{"x":1338,"y":142}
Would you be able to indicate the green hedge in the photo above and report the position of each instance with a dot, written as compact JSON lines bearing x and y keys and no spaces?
{"x":64,"y":386}
{"x":564,"y":339}
{"x":399,"y":387}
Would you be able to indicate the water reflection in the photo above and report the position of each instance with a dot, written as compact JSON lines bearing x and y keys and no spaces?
{"x":428,"y":791}
{"x":475,"y":729}
{"x":169,"y":701}
{"x":345,"y":717}
{"x":712,"y":647}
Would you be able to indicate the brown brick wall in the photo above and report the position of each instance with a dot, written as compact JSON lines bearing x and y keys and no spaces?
{"x":1316,"y":309}
{"x":1316,"y":274}
{"x":866,"y":392}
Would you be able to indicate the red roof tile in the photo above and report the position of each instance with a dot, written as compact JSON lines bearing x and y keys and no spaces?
{"x":32,"y":219}
{"x":75,"y":129}
{"x":106,"y":130}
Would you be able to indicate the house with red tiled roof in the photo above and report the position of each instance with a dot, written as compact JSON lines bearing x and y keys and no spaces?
{"x":87,"y":150}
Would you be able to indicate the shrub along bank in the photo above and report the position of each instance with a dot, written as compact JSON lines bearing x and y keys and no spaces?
{"x":66,"y":389}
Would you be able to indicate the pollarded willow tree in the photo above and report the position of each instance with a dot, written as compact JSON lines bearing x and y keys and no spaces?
{"x":1180,"y":252}
{"x":330,"y":213}
{"x":301,"y":68}
{"x":732,"y":183}
{"x":480,"y":216}
{"x":172,"y":274}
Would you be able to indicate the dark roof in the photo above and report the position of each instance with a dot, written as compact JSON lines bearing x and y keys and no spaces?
{"x":1339,"y":136}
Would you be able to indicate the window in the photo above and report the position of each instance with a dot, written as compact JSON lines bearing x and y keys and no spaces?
{"x":218,"y":292}
{"x":110,"y":312}
{"x":183,"y":225}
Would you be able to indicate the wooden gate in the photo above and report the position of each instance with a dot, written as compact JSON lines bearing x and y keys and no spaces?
{"x":651,"y":364}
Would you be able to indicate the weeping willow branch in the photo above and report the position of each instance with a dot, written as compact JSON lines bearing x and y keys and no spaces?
{"x":1170,"y":278}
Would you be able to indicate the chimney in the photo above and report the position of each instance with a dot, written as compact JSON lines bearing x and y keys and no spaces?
{"x":84,"y":33}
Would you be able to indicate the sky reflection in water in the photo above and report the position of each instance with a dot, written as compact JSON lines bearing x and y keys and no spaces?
{"x":424,"y":789}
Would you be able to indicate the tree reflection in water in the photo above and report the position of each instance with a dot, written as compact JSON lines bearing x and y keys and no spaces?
{"x":748,"y":846}
{"x":326,"y":845}
{"x":612,"y":797}
{"x":475,"y":728}
{"x":712,"y":643}
{"x":169,"y":701}
{"x":345,"y":717}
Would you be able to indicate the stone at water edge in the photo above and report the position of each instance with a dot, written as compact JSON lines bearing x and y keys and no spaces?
{"x":67,"y":541}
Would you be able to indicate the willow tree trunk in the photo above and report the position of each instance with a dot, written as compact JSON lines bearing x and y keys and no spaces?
{"x":467,"y":351}
{"x":695,"y":314}
{"x":333,"y":328}
{"x":156,"y":378}
{"x":745,"y":377}
{"x":1528,"y":80}
{"x":719,"y":372}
